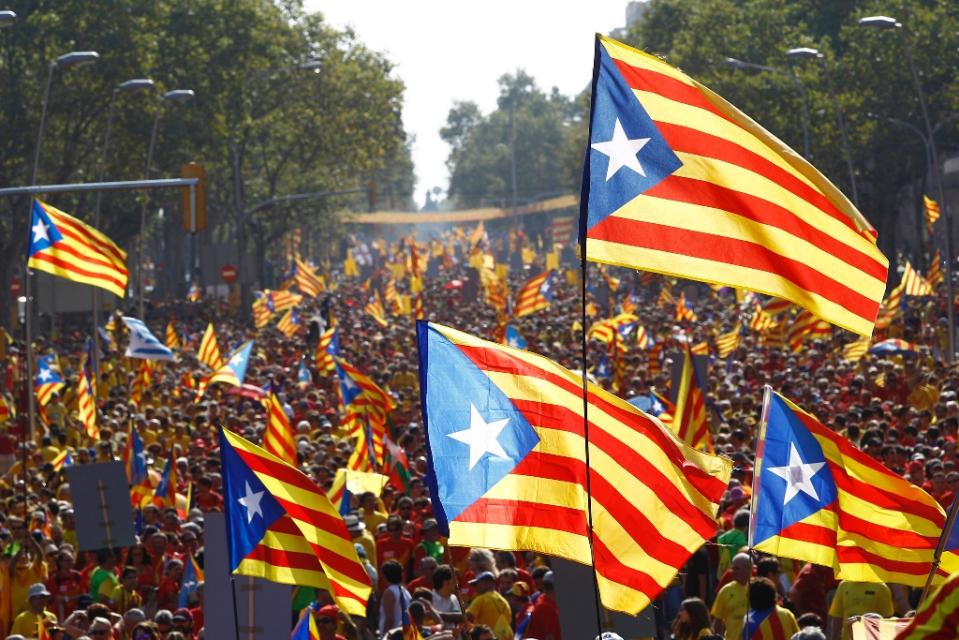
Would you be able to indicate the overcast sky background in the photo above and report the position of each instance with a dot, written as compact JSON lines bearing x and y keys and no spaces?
{"x":449,"y":50}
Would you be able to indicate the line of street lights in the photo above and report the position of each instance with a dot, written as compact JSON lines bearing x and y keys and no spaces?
{"x":928,"y":138}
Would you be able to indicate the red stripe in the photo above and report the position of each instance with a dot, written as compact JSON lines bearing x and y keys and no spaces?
{"x":493,"y":358}
{"x":520,"y":513}
{"x":612,"y":568}
{"x":51,"y":256}
{"x":742,"y":253}
{"x":812,"y":533}
{"x":924,"y":615}
{"x":849,"y":555}
{"x":284,"y":558}
{"x":885,"y":535}
{"x":701,"y":143}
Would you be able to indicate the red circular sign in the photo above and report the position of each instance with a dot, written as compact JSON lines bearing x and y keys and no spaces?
{"x":15,"y":286}
{"x":228,"y":272}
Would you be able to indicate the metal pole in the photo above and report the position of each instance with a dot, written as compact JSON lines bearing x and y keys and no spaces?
{"x":95,"y":291}
{"x":193,"y":251}
{"x":943,"y":538}
{"x":143,"y":213}
{"x":842,"y":133}
{"x":937,"y":176}
{"x":240,"y":229}
{"x":805,"y":115}
{"x":27,"y":274}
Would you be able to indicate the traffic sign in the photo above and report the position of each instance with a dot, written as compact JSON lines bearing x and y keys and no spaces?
{"x":229,"y":273}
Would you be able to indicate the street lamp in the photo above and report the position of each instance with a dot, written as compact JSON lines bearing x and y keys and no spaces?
{"x":176,"y":95}
{"x":742,"y":65}
{"x":806,"y":53}
{"x":67,"y":60}
{"x":136,"y":84}
{"x":7,"y":19}
{"x":886,"y":22}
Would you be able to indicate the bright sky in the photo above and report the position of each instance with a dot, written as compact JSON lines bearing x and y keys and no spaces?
{"x":449,"y":50}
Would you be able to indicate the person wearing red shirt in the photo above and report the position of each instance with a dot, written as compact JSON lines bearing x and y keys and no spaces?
{"x":66,"y":585}
{"x":394,"y":546}
{"x":426,"y":568}
{"x":206,"y":498}
{"x":169,"y":590}
{"x":544,"y":619}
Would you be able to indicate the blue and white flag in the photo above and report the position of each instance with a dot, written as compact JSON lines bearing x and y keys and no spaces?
{"x":143,"y":344}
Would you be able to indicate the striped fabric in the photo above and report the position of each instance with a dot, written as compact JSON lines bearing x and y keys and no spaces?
{"x":932,"y":211}
{"x":643,"y":480}
{"x":875,"y":628}
{"x":171,"y":339}
{"x":612,"y":329}
{"x":419,"y":312}
{"x":283,"y":300}
{"x":307,"y":279}
{"x":761,"y":319}
{"x":391,"y":296}
{"x":800,"y":327}
{"x":854,"y":351}
{"x":683,"y":311}
{"x":914,"y":284}
{"x":717,"y":198}
{"x":935,"y":275}
{"x":304,"y":542}
{"x":375,"y":308}
{"x":262,"y":310}
{"x":561,"y":229}
{"x":533,"y":296}
{"x":866,"y":522}
{"x":209,"y":351}
{"x":86,"y":407}
{"x":325,"y":350}
{"x":141,"y":382}
{"x":643,"y":339}
{"x":726,"y":343}
{"x":64,"y":246}
{"x":937,"y":616}
{"x":890,"y":307}
{"x":47,"y":383}
{"x":690,"y":421}
{"x":278,"y":438}
{"x":289,"y":323}
{"x":775,"y":306}
{"x":700,"y":348}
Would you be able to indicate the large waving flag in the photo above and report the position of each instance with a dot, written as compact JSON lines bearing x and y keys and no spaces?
{"x":289,"y":323}
{"x":209,"y":351}
{"x":680,"y":182}
{"x":535,"y":295}
{"x":47,"y":383}
{"x":282,"y":527}
{"x":817,"y":498}
{"x":143,"y":344}
{"x":234,"y":370}
{"x":506,"y":448}
{"x":66,"y":247}
{"x":278,"y":438}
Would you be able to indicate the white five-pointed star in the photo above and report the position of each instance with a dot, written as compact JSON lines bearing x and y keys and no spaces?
{"x":251,"y":502}
{"x":45,"y":375}
{"x":40,"y":232}
{"x":237,"y":359}
{"x":621,"y":151}
{"x":482,"y":437}
{"x":798,"y":475}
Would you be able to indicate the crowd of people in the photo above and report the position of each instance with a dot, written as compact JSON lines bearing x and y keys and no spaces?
{"x":902,"y":410}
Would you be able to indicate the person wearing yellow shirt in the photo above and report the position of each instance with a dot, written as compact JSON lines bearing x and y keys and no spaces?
{"x":854,"y":599}
{"x":489,"y":607}
{"x":372,"y":512}
{"x":766,"y":620}
{"x":47,"y":451}
{"x":732,"y":601}
{"x":27,"y":567}
{"x":25,"y":624}
{"x":124,"y":595}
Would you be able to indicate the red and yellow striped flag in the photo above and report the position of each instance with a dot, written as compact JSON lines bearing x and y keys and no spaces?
{"x":289,"y":323}
{"x":932,"y":211}
{"x":802,"y":325}
{"x":690,"y":421}
{"x":87,"y":408}
{"x":653,"y":497}
{"x":854,"y":351}
{"x":64,"y":246}
{"x":209,"y":351}
{"x":535,"y":295}
{"x":913,"y":283}
{"x":937,"y":616}
{"x":419,"y":313}
{"x":141,"y":382}
{"x":278,"y":438}
{"x":283,"y":528}
{"x":375,"y":308}
{"x":307,"y":279}
{"x":325,"y":350}
{"x":935,"y":275}
{"x":678,"y":181}
{"x":172,"y":339}
{"x":726,"y":343}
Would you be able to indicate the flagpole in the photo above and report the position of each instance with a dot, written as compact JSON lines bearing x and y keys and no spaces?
{"x":757,"y":464}
{"x":946,"y":532}
{"x":583,"y":214}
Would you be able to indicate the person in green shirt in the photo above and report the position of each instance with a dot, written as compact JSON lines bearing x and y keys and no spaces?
{"x":103,"y":579}
{"x":733,"y":540}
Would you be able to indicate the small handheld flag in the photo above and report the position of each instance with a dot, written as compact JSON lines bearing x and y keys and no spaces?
{"x":143,"y":344}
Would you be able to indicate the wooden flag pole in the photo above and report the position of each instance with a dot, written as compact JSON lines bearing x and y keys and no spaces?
{"x":946,"y":532}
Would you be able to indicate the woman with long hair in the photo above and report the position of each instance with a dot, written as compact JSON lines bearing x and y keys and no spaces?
{"x":692,"y":621}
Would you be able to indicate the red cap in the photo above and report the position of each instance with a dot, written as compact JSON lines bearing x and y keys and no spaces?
{"x":328,"y":611}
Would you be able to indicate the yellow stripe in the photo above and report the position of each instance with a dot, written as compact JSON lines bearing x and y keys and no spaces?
{"x":808,"y":551}
{"x":899,"y":520}
{"x":860,"y":572}
{"x":59,"y":217}
{"x":642,"y":60}
{"x":618,"y":540}
{"x":91,"y":253}
{"x":562,"y":544}
{"x":535,"y":389}
{"x":681,"y":266}
{"x":540,"y":490}
{"x":888,"y":551}
{"x":730,"y":224}
{"x":620,"y":597}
